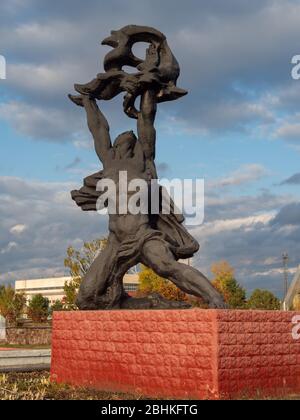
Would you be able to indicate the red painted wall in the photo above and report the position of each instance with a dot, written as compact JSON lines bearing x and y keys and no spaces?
{"x":180,"y":354}
{"x":256,"y":351}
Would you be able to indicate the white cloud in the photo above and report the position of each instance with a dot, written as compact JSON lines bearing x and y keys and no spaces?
{"x":51,"y":222}
{"x":218,"y":226}
{"x":54,"y":222}
{"x":54,"y":34}
{"x":245,"y":174}
{"x":18,"y":229}
{"x":274,"y":272}
{"x":8,"y":248}
{"x":288,"y":131}
{"x":47,"y":79}
{"x":216,"y":45}
{"x":38,"y":122}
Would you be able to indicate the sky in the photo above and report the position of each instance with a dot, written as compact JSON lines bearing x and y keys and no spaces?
{"x":238,"y":128}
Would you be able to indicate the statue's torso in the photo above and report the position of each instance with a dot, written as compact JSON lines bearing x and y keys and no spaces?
{"x":126,"y":174}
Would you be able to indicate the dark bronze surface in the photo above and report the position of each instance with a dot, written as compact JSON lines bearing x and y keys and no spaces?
{"x":157,"y":241}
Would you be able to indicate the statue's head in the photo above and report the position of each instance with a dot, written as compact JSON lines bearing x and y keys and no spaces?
{"x":125,"y":143}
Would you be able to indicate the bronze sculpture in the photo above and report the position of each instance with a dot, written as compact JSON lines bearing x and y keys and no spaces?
{"x":156,"y":240}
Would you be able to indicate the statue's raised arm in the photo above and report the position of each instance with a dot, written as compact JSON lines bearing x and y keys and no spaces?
{"x":98,"y":126}
{"x":145,"y":124}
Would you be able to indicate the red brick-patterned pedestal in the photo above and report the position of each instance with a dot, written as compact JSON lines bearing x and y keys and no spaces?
{"x":178,"y":354}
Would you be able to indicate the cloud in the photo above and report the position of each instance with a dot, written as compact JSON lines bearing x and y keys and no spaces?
{"x":40,"y":79}
{"x":289,"y":132}
{"x":251,"y":222}
{"x":292,"y":180}
{"x":245,"y":174}
{"x":73,"y":164}
{"x":247,"y":231}
{"x":38,"y":221}
{"x":288,"y":215}
{"x":229,"y":77}
{"x":18,"y":229}
{"x":248,"y":243}
{"x":40,"y":123}
{"x":8,"y":248}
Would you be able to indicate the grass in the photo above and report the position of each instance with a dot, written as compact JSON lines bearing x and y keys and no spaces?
{"x":37,"y":386}
{"x":24,"y":346}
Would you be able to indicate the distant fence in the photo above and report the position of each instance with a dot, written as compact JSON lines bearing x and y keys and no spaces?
{"x":39,"y":335}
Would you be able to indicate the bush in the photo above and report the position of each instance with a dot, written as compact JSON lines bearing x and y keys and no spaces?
{"x":263,"y":299}
{"x":12,"y":304}
{"x":57,"y":306}
{"x":226,"y":284}
{"x":38,"y":308}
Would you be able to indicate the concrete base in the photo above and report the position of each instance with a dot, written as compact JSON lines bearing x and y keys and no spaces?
{"x":203,"y":354}
{"x":24,"y":360}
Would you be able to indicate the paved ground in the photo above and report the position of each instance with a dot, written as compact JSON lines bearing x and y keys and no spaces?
{"x":7,"y":348}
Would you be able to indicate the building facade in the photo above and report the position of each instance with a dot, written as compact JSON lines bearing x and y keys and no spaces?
{"x":293,"y":292}
{"x":53,"y":288}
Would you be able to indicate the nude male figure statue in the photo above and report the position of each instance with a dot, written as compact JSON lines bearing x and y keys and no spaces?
{"x":155,"y":240}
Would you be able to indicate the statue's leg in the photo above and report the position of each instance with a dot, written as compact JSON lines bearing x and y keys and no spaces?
{"x":157,"y":256}
{"x":95,"y":279}
{"x":113,"y":293}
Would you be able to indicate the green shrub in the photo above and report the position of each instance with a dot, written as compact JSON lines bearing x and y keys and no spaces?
{"x":38,"y":308}
{"x":57,"y":306}
{"x":263,"y":299}
{"x":12,"y":304}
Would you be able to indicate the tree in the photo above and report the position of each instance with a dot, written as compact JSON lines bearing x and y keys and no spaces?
{"x":57,"y":306}
{"x":38,"y":308}
{"x":263,"y":299}
{"x":78,"y":263}
{"x":12,"y":304}
{"x":150,"y":282}
{"x":19,"y":304}
{"x":224,"y":281}
{"x":296,"y":302}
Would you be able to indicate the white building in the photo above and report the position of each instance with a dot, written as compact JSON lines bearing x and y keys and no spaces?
{"x":294,"y":290}
{"x":53,"y":288}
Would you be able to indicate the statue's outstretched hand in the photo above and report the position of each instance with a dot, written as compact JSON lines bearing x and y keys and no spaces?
{"x":82,"y":100}
{"x":129,"y":107}
{"x":76,"y":99}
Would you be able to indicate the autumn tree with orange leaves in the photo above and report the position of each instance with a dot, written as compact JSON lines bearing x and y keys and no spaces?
{"x":150,"y":282}
{"x":224,"y":281}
